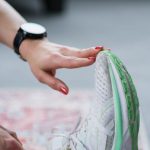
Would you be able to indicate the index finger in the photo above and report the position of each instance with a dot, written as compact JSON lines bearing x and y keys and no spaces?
{"x":75,"y":62}
{"x":84,"y":53}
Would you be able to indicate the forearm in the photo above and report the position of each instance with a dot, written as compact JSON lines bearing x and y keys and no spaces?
{"x":10,"y":21}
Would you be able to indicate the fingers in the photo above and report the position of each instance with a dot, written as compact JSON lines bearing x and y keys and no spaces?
{"x":12,"y":133}
{"x":12,"y":144}
{"x":7,"y":141}
{"x":74,"y":62}
{"x":84,"y":53}
{"x":53,"y":82}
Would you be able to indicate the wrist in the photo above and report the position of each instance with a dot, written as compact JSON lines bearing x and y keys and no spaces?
{"x":27,"y":37}
{"x":29,"y":47}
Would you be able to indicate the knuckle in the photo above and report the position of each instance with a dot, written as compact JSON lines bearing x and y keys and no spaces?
{"x":63,"y":49}
{"x":79,"y":52}
{"x":53,"y":83}
{"x":55,"y":56}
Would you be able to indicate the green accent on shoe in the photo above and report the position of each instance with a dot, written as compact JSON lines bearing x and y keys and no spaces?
{"x":118,"y":113}
{"x":131,"y":98}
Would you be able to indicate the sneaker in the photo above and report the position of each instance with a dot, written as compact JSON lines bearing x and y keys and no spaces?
{"x":113,"y":120}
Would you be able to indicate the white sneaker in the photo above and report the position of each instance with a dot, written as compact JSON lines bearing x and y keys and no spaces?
{"x":113,"y":121}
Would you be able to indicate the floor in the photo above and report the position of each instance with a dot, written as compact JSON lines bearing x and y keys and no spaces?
{"x":123,"y":27}
{"x":31,"y":107}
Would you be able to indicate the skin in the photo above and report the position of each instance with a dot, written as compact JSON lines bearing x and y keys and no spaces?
{"x":9,"y":140}
{"x":50,"y":56}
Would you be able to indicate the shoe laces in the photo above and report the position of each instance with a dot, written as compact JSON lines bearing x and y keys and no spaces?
{"x":72,"y":140}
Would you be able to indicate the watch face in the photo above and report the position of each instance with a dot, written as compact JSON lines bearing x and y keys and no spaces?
{"x":33,"y":28}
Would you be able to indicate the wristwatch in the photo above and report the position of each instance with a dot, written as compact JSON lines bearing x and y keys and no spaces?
{"x":28,"y":31}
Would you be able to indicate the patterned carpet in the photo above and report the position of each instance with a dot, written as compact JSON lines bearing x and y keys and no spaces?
{"x":36,"y":115}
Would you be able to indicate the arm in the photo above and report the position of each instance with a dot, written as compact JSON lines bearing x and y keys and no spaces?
{"x":10,"y":21}
{"x":44,"y":57}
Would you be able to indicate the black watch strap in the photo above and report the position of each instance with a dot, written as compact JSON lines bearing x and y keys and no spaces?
{"x":22,"y":35}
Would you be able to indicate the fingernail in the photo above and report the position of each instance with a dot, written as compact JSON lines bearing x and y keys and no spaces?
{"x":92,"y":58}
{"x":64,"y":90}
{"x":99,"y":48}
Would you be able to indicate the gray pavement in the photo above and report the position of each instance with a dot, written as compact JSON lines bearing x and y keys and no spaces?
{"x":124,"y":27}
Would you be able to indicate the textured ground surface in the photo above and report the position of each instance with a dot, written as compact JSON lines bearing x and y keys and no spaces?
{"x":37,"y":115}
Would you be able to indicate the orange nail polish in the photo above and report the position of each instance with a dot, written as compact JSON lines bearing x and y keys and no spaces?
{"x":92,"y":58}
{"x":64,"y":90}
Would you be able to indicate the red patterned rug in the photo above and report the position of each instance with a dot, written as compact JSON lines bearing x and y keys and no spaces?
{"x":35,"y":115}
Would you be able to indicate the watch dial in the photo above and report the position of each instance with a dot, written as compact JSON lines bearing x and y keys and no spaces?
{"x":33,"y":28}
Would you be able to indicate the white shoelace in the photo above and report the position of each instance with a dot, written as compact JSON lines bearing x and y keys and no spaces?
{"x":70,"y":141}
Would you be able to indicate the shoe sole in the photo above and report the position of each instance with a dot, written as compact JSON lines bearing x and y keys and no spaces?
{"x":126,"y":105}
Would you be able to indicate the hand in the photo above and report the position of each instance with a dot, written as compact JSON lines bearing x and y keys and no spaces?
{"x":45,"y":58}
{"x":9,"y":140}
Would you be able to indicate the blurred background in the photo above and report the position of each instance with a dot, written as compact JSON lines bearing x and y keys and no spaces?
{"x":121,"y":25}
